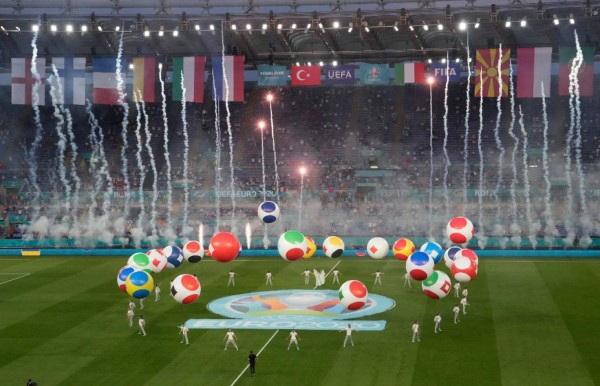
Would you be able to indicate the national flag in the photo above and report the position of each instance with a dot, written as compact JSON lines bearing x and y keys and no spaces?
{"x":486,"y":64}
{"x":586,"y":71}
{"x":373,"y":74}
{"x":306,"y":75}
{"x":105,"y":81}
{"x":23,"y":81}
{"x":534,"y":70}
{"x":192,"y":70}
{"x":410,"y":73}
{"x":144,"y":78}
{"x":228,"y":75}
{"x":71,"y":72}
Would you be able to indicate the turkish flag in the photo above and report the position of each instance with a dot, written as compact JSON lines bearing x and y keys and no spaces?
{"x":306,"y":75}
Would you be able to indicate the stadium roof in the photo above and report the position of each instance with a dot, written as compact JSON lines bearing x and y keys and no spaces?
{"x":285,"y":32}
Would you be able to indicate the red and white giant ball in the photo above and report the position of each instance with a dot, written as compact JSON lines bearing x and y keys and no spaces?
{"x":437,"y":285}
{"x":185,"y":288}
{"x":158,"y":260}
{"x":419,"y":266}
{"x":378,"y":247}
{"x":403,"y":248}
{"x":463,"y":269}
{"x":460,"y":230}
{"x":468,"y":253}
{"x":193,"y":251}
{"x":353,"y":295}
{"x":224,"y":247}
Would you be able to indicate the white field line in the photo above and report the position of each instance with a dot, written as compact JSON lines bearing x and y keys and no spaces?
{"x":13,"y":279}
{"x":258,"y":354}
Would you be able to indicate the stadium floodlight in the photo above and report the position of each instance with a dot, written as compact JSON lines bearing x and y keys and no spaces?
{"x":99,"y":28}
{"x":477,"y":23}
{"x":571,"y":19}
{"x":176,"y":32}
{"x":555,"y":21}
{"x":309,"y":63}
{"x":334,"y":63}
{"x":146,"y":32}
{"x":69,"y":28}
{"x":336,"y":24}
{"x":118,"y":28}
{"x":294,"y":26}
{"x":279,"y":26}
{"x":234,"y":27}
{"x":524,"y":22}
{"x":443,"y":60}
{"x":248,"y":27}
{"x":350,"y":26}
{"x":429,"y":61}
{"x":507,"y":23}
{"x":264,"y":26}
{"x":308,"y":26}
{"x":457,"y":60}
{"x":440,"y":26}
{"x":131,"y":66}
{"x":35,"y":28}
{"x":161,"y":31}
{"x":396,"y":26}
{"x":197,"y":27}
{"x":462,"y":25}
{"x":321,"y":63}
{"x":320,"y":25}
{"x":53,"y":28}
{"x":84,"y":28}
{"x":367,"y":29}
{"x":425,"y":27}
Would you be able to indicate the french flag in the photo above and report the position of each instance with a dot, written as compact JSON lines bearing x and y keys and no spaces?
{"x":105,"y":81}
{"x":228,"y":75}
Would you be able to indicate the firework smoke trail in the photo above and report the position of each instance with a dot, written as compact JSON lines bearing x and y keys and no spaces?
{"x":532,"y":228}
{"x":274,"y":151}
{"x":447,"y":158}
{"x":94,"y":159}
{"x":73,"y":164}
{"x":186,"y":152}
{"x":229,"y":132}
{"x":264,"y":180}
{"x":515,"y":229}
{"x":467,"y":115}
{"x":32,"y":155}
{"x":201,"y":234}
{"x":570,"y":133}
{"x":550,"y":229}
{"x":103,"y":170}
{"x":124,"y":122}
{"x":586,"y":222}
{"x":430,"y":215}
{"x":166,"y":146}
{"x":481,"y":239}
{"x":248,"y":235}
{"x":153,"y":209}
{"x":140,"y":161}
{"x":217,"y":158}
{"x":300,"y":202}
{"x":497,"y":227}
{"x":55,"y":94}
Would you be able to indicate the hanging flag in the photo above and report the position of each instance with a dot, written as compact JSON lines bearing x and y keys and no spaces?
{"x":23,"y":81}
{"x":340,"y":75}
{"x":272,"y":75}
{"x":105,"y":80}
{"x":410,"y":73}
{"x":373,"y":74}
{"x":192,"y":68}
{"x":71,"y":72}
{"x":586,"y":71}
{"x":228,"y":75}
{"x":534,"y":70}
{"x":306,"y":75}
{"x":438,"y":72}
{"x":486,"y":63}
{"x":144,"y":78}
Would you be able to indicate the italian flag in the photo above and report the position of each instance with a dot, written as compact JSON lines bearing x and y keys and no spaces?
{"x":191,"y":68}
{"x":410,"y":73}
{"x":586,"y":71}
{"x":534,"y":72}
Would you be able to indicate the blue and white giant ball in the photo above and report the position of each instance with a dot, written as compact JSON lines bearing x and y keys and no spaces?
{"x":268,"y":212}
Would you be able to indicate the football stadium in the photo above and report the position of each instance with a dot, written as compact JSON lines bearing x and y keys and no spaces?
{"x":298,"y":192}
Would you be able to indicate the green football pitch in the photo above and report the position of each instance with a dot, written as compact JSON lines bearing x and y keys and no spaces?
{"x":531,"y":322}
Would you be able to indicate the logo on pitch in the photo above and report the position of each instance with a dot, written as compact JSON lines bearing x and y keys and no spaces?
{"x":287,"y":309}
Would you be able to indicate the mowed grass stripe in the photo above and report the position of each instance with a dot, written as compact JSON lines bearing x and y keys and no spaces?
{"x":579,"y":309}
{"x":472,"y":341}
{"x":534,"y":345}
{"x":45,"y":288}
